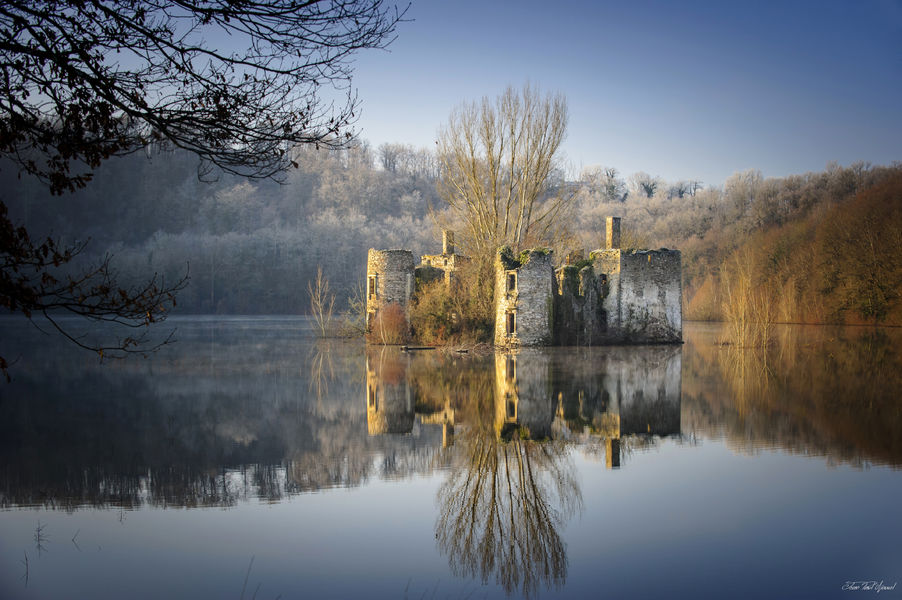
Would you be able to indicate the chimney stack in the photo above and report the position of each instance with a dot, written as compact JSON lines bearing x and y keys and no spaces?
{"x":447,"y":241}
{"x":612,"y":233}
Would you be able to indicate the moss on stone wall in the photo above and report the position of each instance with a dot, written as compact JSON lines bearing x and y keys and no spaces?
{"x":512,"y":261}
{"x":525,"y":255}
{"x":507,"y":258}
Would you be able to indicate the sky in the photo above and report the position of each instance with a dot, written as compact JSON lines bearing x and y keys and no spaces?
{"x":681,"y":90}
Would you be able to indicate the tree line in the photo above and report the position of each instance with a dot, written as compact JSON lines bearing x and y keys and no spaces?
{"x":253,"y":247}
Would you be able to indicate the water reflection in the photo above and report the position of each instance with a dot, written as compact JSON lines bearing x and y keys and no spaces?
{"x":626,"y":397}
{"x":820,"y":391}
{"x":389,"y":399}
{"x":524,"y":399}
{"x":501,"y":509}
{"x":233,"y":413}
{"x":512,"y":483}
{"x":242,"y":411}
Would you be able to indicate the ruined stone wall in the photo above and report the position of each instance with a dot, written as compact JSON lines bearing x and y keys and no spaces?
{"x":393,"y":271}
{"x":578,"y":312}
{"x":645,"y":388}
{"x":531,"y":300}
{"x":607,"y":271}
{"x":446,"y":263}
{"x":641,"y":296}
{"x":425,"y":274}
{"x":651,"y":296}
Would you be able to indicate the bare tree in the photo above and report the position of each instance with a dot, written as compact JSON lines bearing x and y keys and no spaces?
{"x":606,"y":182}
{"x":496,"y":157}
{"x":678,"y":190}
{"x":644,"y":185}
{"x":694,"y":186}
{"x":322,"y":302}
{"x":390,"y":155}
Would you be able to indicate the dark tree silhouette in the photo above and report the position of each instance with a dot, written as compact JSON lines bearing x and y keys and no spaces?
{"x":238,"y":83}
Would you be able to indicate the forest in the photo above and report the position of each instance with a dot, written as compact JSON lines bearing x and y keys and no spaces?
{"x":814,"y":247}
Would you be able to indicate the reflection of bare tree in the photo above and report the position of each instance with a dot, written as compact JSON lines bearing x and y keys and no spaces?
{"x":321,"y":371}
{"x":501,"y":510}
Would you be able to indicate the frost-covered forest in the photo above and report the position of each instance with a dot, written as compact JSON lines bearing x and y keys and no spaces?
{"x":251,"y":247}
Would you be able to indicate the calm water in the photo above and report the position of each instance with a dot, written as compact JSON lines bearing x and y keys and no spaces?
{"x":250,"y":460}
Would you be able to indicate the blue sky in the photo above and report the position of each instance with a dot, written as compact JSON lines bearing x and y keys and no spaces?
{"x":688,"y":90}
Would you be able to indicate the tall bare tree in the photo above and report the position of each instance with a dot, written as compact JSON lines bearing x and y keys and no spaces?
{"x":496,"y":157}
{"x":322,"y":302}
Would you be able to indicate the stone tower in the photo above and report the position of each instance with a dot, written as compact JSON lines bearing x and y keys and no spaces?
{"x":447,"y":241}
{"x":642,"y":296}
{"x":389,"y":278}
{"x":612,"y":233}
{"x":524,"y":297}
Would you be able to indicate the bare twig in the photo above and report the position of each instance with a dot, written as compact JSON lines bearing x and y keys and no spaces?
{"x":247,"y":575}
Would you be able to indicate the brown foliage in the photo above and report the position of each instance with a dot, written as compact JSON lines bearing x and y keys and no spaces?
{"x":838,"y":263}
{"x":431,"y":313}
{"x":390,"y":326}
{"x":461,"y":312}
{"x":861,"y":263}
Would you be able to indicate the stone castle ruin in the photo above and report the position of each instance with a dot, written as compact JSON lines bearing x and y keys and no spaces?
{"x":391,"y":276}
{"x":615,"y":296}
{"x":441,"y":266}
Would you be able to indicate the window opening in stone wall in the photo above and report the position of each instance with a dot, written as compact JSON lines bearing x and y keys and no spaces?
{"x":372,"y":285}
{"x":511,"y":282}
{"x":511,"y":323}
{"x":371,"y":396}
{"x":510,"y":368}
{"x":511,"y":409}
{"x":370,"y":319}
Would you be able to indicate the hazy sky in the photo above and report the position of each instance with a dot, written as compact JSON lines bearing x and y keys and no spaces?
{"x":682,"y":90}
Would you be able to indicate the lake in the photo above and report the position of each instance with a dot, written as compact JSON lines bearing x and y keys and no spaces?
{"x":250,"y":460}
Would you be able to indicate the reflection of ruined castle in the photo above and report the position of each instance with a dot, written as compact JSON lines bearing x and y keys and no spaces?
{"x":524,"y":402}
{"x":619,"y":393}
{"x":389,"y":401}
{"x":591,"y":393}
{"x":609,"y":395}
{"x":615,"y":296}
{"x":390,"y":397}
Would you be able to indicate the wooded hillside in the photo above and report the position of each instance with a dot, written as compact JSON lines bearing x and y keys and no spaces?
{"x":824,"y":246}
